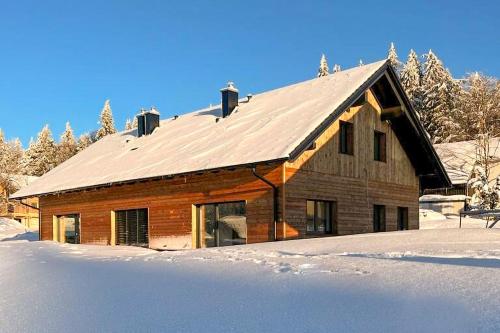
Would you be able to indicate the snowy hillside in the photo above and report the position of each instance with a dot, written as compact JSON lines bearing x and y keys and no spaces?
{"x":412,"y":281}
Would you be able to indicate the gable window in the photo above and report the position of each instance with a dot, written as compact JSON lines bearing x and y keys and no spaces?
{"x":378,"y":218}
{"x":346,"y":142}
{"x":379,"y":146}
{"x":402,"y":218}
{"x":320,"y":217}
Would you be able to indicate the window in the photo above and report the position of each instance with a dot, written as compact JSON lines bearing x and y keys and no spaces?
{"x":346,"y":142}
{"x":378,"y":218}
{"x":132,"y":227}
{"x":320,"y":217}
{"x":222,"y":224}
{"x":379,"y":146}
{"x":402,"y":218}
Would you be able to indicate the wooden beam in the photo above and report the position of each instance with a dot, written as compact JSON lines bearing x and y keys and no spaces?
{"x":392,"y":112}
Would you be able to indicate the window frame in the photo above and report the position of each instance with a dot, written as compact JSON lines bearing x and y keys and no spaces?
{"x":330,"y":225}
{"x":379,"y":215}
{"x":346,"y":137}
{"x":380,"y":146}
{"x":200,"y":216}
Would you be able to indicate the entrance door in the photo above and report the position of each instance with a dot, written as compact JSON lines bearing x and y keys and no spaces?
{"x":222,"y":224}
{"x":67,"y":229}
{"x":132,"y":227}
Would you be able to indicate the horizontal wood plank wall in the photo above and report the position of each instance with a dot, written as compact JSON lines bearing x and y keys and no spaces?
{"x":356,"y":182}
{"x":170,"y":205}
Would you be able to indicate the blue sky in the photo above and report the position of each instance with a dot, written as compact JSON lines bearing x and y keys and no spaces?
{"x":60,"y":60}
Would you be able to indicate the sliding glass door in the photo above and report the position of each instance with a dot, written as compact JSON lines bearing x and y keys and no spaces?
{"x":222,"y":224}
{"x":68,"y":229}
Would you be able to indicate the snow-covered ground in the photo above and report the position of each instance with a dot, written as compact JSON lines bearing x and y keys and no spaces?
{"x":444,"y":280}
{"x":430,"y":219}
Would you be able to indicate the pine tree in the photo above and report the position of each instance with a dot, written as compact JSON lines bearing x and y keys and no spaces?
{"x":128,"y":124}
{"x":135,"y":123}
{"x":361,"y":63}
{"x":323,"y":67}
{"x":83,"y":142}
{"x":11,"y":153}
{"x":67,"y":146}
{"x":440,"y":93}
{"x":106,"y":121}
{"x":411,"y":77}
{"x":336,"y":68}
{"x":392,"y":56}
{"x":40,"y":157}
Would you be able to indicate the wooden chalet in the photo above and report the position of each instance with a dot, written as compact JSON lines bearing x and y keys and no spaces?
{"x":335,"y":155}
{"x":23,"y":211}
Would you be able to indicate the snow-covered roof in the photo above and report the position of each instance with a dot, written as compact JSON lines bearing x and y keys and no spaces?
{"x":267,"y":127}
{"x":458,"y":158}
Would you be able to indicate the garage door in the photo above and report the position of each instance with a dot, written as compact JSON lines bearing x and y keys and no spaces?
{"x":132,"y":227}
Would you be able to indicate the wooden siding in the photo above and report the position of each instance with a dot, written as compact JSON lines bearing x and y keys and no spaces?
{"x":170,"y":204}
{"x":356,"y":182}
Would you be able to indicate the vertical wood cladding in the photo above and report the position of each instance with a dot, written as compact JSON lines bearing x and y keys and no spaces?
{"x":356,"y":182}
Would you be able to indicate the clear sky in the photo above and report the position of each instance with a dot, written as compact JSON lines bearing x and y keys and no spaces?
{"x":60,"y":60}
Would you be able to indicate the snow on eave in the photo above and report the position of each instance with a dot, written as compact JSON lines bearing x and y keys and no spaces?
{"x":268,"y":127}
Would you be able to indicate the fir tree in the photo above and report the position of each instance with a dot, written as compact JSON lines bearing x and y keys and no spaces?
{"x":67,"y":146}
{"x":128,"y":124}
{"x":40,"y":157}
{"x":323,"y":67}
{"x":11,"y":153}
{"x":411,"y":78}
{"x":440,"y":93}
{"x":135,"y":123}
{"x":83,"y":142}
{"x":361,"y":63}
{"x":336,"y":68}
{"x":106,"y":121}
{"x":392,"y":56}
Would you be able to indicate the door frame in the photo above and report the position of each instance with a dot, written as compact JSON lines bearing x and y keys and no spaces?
{"x":59,"y":228}
{"x":197,"y":217}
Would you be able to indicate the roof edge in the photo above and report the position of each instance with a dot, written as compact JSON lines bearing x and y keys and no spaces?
{"x":153,"y":178}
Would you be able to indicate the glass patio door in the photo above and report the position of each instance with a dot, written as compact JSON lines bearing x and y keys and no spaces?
{"x":70,"y":225}
{"x":222,"y":224}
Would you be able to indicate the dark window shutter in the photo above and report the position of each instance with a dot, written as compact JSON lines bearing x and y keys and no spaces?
{"x":132,"y":227}
{"x":350,"y":139}
{"x":382,"y":148}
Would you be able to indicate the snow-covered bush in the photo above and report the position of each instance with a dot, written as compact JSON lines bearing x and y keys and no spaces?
{"x":486,"y":196}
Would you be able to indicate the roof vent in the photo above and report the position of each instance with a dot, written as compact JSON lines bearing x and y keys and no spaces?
{"x":229,"y":99}
{"x":147,"y":121}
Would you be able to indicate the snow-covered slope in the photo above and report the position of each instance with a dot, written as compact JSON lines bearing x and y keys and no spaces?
{"x":411,"y":281}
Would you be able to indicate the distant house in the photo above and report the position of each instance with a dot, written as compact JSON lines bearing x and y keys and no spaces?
{"x":24,"y":211}
{"x":458,"y":159}
{"x":335,"y":155}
